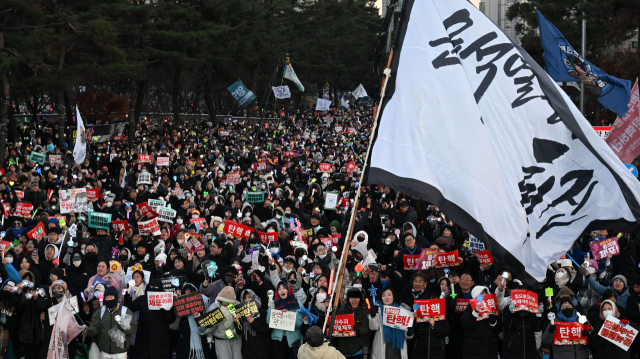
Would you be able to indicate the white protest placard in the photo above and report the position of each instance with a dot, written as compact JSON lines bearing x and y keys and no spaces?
{"x":149,"y":227}
{"x":162,"y":161}
{"x":618,"y":334}
{"x":166,"y":214}
{"x":155,"y":203}
{"x":81,"y":201}
{"x":475,"y":245}
{"x":53,"y":311}
{"x":160,"y":300}
{"x":396,"y":317}
{"x":331,"y":200}
{"x":144,"y":178}
{"x":282,"y":320}
{"x":129,"y":275}
{"x":66,"y":202}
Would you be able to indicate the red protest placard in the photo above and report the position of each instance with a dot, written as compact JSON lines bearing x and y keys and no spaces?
{"x":622,"y":138}
{"x":350,"y":167}
{"x":603,"y":248}
{"x":427,"y":258}
{"x":324,"y":167}
{"x":53,"y":159}
{"x":144,"y":158}
{"x":120,"y":226}
{"x":260,"y":166}
{"x":461,"y":304}
{"x":37,"y":231}
{"x":430,"y":308}
{"x":569,"y":333}
{"x":525,"y":300}
{"x":5,"y":246}
{"x":410,"y":261}
{"x":237,"y":230}
{"x":233,"y":178}
{"x":147,"y":211}
{"x":149,"y":227}
{"x":162,"y":161}
{"x":484,"y":257}
{"x":489,"y":306}
{"x":93,"y":194}
{"x":447,"y":259}
{"x":20,"y":195}
{"x":202,"y":222}
{"x":290,"y":154}
{"x":343,"y":326}
{"x":7,"y":209}
{"x":617,"y":333}
{"x":24,"y":210}
{"x":189,"y":304}
{"x":351,"y":130}
{"x":268,"y":237}
{"x":194,"y":243}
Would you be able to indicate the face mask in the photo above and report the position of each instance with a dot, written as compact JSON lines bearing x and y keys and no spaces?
{"x":103,"y":180}
{"x":274,"y":250}
{"x":179,"y":220}
{"x":559,"y":274}
{"x":58,"y":294}
{"x":194,"y":216}
{"x":111,"y":303}
{"x":357,"y":285}
{"x":385,"y":282}
{"x":567,"y":312}
{"x":321,"y":297}
{"x":109,"y":204}
{"x":287,"y":212}
{"x":229,"y":279}
{"x":287,"y":270}
{"x":278,"y":216}
{"x":322,"y":256}
{"x":607,"y":313}
{"x":77,"y":263}
{"x":91,"y":256}
{"x":292,"y":281}
{"x":122,"y":257}
{"x":9,"y":260}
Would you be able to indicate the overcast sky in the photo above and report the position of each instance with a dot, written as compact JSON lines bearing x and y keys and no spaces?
{"x":379,"y":3}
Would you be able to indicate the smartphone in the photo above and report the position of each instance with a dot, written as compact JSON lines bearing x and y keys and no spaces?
{"x":34,"y":254}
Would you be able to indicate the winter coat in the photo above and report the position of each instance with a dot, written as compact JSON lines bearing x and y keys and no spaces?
{"x":322,"y":352}
{"x":480,"y":336}
{"x":621,"y":298}
{"x":519,"y":337}
{"x":103,"y":320}
{"x":258,"y":345}
{"x":601,"y":348}
{"x":428,"y":342}
{"x":153,"y":335}
{"x":352,"y":345}
{"x":378,"y":346}
{"x":277,"y":334}
{"x":564,"y":351}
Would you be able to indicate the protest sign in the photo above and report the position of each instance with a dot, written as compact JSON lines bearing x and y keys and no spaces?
{"x":79,"y":198}
{"x":23,"y":210}
{"x":120,"y":226}
{"x":484,"y":257}
{"x":155,"y":203}
{"x":430,"y":308}
{"x":37,"y":157}
{"x":617,"y":333}
{"x":260,"y":166}
{"x":331,"y":200}
{"x":447,"y":259}
{"x":20,"y":195}
{"x":99,"y":220}
{"x":159,"y":300}
{"x":290,"y":154}
{"x":247,"y":309}
{"x":7,"y":209}
{"x":66,"y":202}
{"x":398,"y":318}
{"x":172,"y":284}
{"x":475,"y":245}
{"x":210,"y":319}
{"x":93,"y":194}
{"x":461,"y":304}
{"x":53,"y":311}
{"x":144,"y":158}
{"x":55,"y":159}
{"x":351,"y":130}
{"x":427,"y":258}
{"x":37,"y":231}
{"x":325,"y":167}
{"x":489,"y":306}
{"x":187,"y":304}
{"x":268,"y":237}
{"x":149,"y":227}
{"x":194,"y":243}
{"x":162,"y":161}
{"x":166,"y":214}
{"x":603,"y":248}
{"x":410,"y":261}
{"x":146,"y":210}
{"x":525,"y":300}
{"x":202,"y":222}
{"x":569,"y":333}
{"x":350,"y":167}
{"x":144,"y":178}
{"x":233,"y":178}
{"x":224,"y":133}
{"x":338,"y":128}
{"x":237,"y":230}
{"x":282,"y":320}
{"x":343,"y":326}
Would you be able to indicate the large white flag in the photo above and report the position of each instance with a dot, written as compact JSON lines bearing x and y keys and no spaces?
{"x":80,"y":149}
{"x":64,"y":330}
{"x":289,"y":74}
{"x":281,"y":92}
{"x":470,"y":123}
{"x":344,"y":103}
{"x":323,"y":105}
{"x":359,"y":92}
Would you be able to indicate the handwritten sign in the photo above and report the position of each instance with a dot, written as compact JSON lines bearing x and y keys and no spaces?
{"x":160,"y":300}
{"x":410,"y":261}
{"x":430,"y":308}
{"x":489,"y":306}
{"x":189,"y":304}
{"x":268,"y":237}
{"x":149,"y":227}
{"x":396,"y":317}
{"x":569,"y":333}
{"x":211,"y":318}
{"x":525,"y":300}
{"x":282,"y":320}
{"x":620,"y":335}
{"x":603,"y":248}
{"x":343,"y":326}
{"x":237,"y":230}
{"x":447,"y":259}
{"x":484,"y":257}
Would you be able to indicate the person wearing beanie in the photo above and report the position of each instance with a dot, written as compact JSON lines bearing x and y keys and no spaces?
{"x":316,"y":348}
{"x":191,"y":342}
{"x":226,"y":333}
{"x":618,"y":284}
{"x":480,"y":331}
{"x":354,"y":346}
{"x":153,"y":337}
{"x":112,"y":315}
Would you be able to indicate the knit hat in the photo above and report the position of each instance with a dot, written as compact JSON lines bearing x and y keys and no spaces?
{"x":227,"y":294}
{"x":565,"y":294}
{"x":111,"y":291}
{"x":477,"y":290}
{"x":622,"y":278}
{"x":57,"y":271}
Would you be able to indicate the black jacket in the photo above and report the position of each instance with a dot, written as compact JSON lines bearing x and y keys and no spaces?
{"x":480,"y":337}
{"x":428,"y":342}
{"x":519,"y":338}
{"x":600,"y":347}
{"x":153,"y":336}
{"x":258,"y":346}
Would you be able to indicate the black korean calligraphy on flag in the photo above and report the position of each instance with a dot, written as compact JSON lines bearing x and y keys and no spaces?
{"x":470,"y":123}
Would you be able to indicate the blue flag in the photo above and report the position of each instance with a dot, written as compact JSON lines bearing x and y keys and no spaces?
{"x":565,"y":64}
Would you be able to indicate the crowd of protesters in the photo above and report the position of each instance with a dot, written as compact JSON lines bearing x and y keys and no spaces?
{"x":271,"y":178}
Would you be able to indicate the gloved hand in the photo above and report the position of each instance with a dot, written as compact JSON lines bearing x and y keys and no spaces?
{"x":256,"y":278}
{"x":541,"y":310}
{"x":118,"y":318}
{"x":512,"y":307}
{"x":201,"y":330}
{"x":373,"y":311}
{"x":582,"y":319}
{"x":410,"y":332}
{"x":584,"y":271}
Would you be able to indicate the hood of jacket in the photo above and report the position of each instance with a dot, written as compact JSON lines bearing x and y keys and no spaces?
{"x":253,"y":295}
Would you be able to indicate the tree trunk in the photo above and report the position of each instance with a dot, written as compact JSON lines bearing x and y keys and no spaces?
{"x":141,"y":89}
{"x":132,"y":108}
{"x":208,"y":98}
{"x":67,"y":105}
{"x":61,"y":118}
{"x":176,"y":95}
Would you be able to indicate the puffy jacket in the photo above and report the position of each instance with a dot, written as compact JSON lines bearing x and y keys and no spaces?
{"x":103,"y":320}
{"x":519,"y":338}
{"x":352,"y":345}
{"x":480,"y":336}
{"x":564,"y":351}
{"x":428,"y":342}
{"x":621,"y":298}
{"x":258,"y":345}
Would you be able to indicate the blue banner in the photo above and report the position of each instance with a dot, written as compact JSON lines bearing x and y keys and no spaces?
{"x":565,"y":64}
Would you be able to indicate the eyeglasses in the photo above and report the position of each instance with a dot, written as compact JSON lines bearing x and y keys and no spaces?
{"x":466,"y":280}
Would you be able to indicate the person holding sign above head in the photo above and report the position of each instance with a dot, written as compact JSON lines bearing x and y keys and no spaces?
{"x":566,"y":330}
{"x":388,"y":342}
{"x":227,"y":332}
{"x":352,"y":347}
{"x":285,"y":301}
{"x":480,"y":331}
{"x":602,"y":348}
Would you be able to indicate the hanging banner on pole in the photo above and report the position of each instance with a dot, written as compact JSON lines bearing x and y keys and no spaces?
{"x":241,"y":93}
{"x":281,"y":92}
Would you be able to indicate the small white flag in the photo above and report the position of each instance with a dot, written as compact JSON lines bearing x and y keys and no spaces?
{"x":80,"y":149}
{"x":281,"y":92}
{"x":323,"y":105}
{"x":359,"y":92}
{"x":344,"y":103}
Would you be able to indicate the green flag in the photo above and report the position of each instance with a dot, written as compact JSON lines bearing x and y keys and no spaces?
{"x":241,"y":93}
